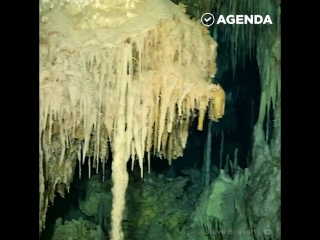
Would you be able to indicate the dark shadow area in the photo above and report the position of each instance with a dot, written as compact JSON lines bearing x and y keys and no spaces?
{"x":243,"y":95}
{"x":66,"y":208}
{"x":60,"y":208}
{"x":192,"y":155}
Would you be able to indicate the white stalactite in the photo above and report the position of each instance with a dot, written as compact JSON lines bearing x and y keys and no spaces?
{"x":113,"y":79}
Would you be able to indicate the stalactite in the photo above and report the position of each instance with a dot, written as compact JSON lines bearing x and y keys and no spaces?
{"x":42,"y":199}
{"x":125,"y":91}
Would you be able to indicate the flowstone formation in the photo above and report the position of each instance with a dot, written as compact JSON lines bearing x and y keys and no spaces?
{"x":128,"y":76}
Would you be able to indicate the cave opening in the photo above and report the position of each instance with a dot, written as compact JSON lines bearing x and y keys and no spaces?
{"x":235,"y":129}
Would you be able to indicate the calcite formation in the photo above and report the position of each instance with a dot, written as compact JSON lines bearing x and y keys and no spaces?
{"x":126,"y":76}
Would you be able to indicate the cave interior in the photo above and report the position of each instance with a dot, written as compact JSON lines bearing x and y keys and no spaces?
{"x":232,"y":153}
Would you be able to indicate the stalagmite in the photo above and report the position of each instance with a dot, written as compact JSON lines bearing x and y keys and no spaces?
{"x":127,"y":80}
